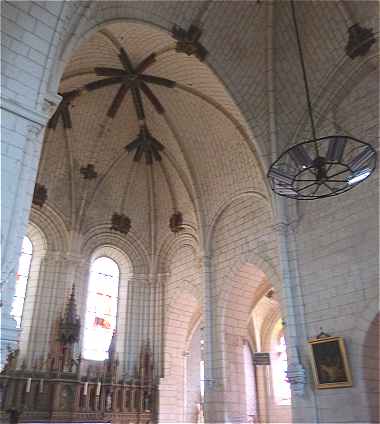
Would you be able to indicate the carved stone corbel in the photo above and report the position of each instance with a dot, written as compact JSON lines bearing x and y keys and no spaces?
{"x":297,"y":378}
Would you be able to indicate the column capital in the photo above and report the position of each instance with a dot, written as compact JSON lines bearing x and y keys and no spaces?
{"x":139,"y":277}
{"x":67,"y":257}
{"x":139,"y":280}
{"x":29,"y":113}
{"x":204,"y":259}
{"x":73,"y":257}
{"x":49,"y":103}
{"x":281,"y":227}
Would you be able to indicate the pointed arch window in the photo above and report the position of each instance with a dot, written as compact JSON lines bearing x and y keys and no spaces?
{"x":101,"y":311}
{"x":22,"y":277}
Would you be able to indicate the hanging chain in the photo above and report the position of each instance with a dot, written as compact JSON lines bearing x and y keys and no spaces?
{"x":304,"y":77}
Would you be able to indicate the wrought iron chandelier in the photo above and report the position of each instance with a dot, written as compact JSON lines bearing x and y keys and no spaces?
{"x":320,"y":167}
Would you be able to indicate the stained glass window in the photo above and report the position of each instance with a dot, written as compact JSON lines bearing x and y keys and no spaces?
{"x":22,"y":277}
{"x":101,"y":311}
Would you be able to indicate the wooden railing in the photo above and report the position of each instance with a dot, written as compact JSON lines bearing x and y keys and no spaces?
{"x":36,"y":398}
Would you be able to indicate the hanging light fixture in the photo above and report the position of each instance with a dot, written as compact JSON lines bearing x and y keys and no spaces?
{"x":320,"y":167}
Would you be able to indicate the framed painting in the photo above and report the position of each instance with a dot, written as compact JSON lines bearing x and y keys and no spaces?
{"x":329,"y":362}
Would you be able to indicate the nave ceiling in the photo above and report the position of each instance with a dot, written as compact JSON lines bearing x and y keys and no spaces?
{"x":211,"y":152}
{"x":207,"y":157}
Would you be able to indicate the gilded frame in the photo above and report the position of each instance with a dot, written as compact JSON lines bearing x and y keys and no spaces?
{"x":329,"y":363}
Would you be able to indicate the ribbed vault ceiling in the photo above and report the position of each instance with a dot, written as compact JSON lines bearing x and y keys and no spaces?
{"x":208,"y":155}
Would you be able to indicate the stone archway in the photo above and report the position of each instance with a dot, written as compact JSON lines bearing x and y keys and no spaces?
{"x":249,"y":284}
{"x":194,"y":374}
{"x":180,"y":315}
{"x":371,"y":368}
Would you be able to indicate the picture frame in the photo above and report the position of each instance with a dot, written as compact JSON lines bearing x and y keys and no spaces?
{"x":329,"y":363}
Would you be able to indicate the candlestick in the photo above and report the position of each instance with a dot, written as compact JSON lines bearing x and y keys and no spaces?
{"x":85,"y":388}
{"x":98,"y":388}
{"x":41,"y":385}
{"x":28,"y":385}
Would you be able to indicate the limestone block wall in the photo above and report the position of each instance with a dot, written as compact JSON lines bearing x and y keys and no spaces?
{"x":22,"y":130}
{"x":244,"y":265}
{"x":20,"y":147}
{"x":181,"y":309}
{"x":336,"y":240}
{"x":193,"y":376}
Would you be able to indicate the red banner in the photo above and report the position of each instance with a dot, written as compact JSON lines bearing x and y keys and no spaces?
{"x":102,"y":322}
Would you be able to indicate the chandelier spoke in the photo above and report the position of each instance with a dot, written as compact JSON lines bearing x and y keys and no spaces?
{"x":316,"y":190}
{"x":304,"y":188}
{"x":338,"y":173}
{"x":326,"y":185}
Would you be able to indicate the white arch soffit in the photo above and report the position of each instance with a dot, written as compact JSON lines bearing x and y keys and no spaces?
{"x":270,"y":276}
{"x":184,"y":288}
{"x":364,"y":319}
{"x":272,"y":279}
{"x":333,"y":93}
{"x":224,"y":306}
{"x":259,"y":293}
{"x":172,"y":320}
{"x":272,"y":316}
{"x":226,"y":204}
{"x":101,"y":235}
{"x":51,"y":224}
{"x":174,"y":242}
{"x":121,"y":258}
{"x":37,"y":238}
{"x":72,"y":44}
{"x":172,"y":314}
{"x":195,"y":325}
{"x":267,"y":330}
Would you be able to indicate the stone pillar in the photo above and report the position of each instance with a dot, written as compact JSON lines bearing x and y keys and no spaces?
{"x":212,"y":409}
{"x":87,"y":399}
{"x":134,"y":324}
{"x":132,"y":399}
{"x":10,"y":394}
{"x":122,"y":393}
{"x":303,"y":401}
{"x":127,"y":396}
{"x":57,"y":275}
{"x":77,"y":397}
{"x":22,"y":130}
{"x":160,"y":311}
{"x":20,"y":395}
